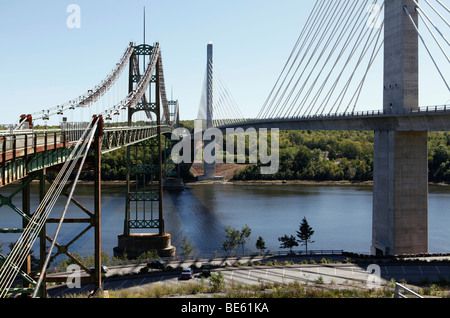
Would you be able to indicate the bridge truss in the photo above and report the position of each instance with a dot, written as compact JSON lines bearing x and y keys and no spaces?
{"x":28,"y":153}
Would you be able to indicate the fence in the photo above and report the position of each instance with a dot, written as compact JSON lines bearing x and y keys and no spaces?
{"x":404,"y":292}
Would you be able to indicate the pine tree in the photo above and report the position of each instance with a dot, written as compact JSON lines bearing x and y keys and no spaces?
{"x":288,"y":242}
{"x":260,"y":244}
{"x":304,"y":234}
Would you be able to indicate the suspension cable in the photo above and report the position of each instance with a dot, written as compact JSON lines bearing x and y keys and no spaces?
{"x":23,"y":246}
{"x":434,"y":37}
{"x":426,"y":47}
{"x":44,"y":267}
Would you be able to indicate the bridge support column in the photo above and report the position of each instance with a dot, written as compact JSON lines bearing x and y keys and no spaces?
{"x":400,"y":189}
{"x":400,"y":193}
{"x":209,"y":168}
{"x":145,"y":194}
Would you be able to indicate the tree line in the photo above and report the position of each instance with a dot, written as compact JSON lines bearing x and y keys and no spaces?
{"x":340,"y":156}
{"x":306,"y":155}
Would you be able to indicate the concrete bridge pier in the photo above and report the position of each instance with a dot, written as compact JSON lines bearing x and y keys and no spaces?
{"x":400,"y":188}
{"x":400,"y":193}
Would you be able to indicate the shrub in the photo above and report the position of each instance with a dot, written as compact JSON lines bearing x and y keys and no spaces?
{"x":217,"y":282}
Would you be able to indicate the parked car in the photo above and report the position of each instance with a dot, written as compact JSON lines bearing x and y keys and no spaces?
{"x":206,"y":269}
{"x":104,"y":269}
{"x":157,"y":264}
{"x":187,"y":273}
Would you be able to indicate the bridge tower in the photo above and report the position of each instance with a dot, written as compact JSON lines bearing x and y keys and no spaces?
{"x":400,"y":188}
{"x":209,"y":168}
{"x":144,"y":197}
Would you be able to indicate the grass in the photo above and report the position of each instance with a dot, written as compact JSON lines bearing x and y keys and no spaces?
{"x":262,"y":290}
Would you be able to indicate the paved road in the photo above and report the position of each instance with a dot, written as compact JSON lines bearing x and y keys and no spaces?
{"x":367,"y":275}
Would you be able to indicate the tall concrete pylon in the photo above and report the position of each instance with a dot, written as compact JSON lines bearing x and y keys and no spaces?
{"x":400,"y":188}
{"x":208,"y":167}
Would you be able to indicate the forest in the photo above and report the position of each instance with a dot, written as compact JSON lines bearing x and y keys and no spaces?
{"x":314,"y":156}
{"x":341,"y":156}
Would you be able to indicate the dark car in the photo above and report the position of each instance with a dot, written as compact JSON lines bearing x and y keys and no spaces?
{"x":103,"y":269}
{"x":206,"y":269}
{"x":160,"y":264}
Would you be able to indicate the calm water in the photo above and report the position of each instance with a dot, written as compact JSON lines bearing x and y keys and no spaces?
{"x":341,"y":216}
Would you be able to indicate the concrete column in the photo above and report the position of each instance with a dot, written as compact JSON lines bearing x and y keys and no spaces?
{"x":400,"y":193}
{"x":400,"y":190}
{"x":209,"y":168}
{"x":401,"y":75}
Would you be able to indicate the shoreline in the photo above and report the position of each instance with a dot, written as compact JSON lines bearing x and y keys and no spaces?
{"x":261,"y":182}
{"x":279,"y":182}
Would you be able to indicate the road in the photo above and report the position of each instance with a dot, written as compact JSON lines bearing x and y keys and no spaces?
{"x":362,"y":275}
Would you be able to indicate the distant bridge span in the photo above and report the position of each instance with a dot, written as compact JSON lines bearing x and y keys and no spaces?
{"x":432,"y":118}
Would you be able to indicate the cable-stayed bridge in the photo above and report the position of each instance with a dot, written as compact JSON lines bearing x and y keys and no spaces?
{"x":319,"y":87}
{"x":324,"y":80}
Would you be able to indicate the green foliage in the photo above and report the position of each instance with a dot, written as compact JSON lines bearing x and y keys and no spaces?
{"x":287,"y":241}
{"x":235,"y":238}
{"x":148,"y":255}
{"x":304,"y":155}
{"x":217,"y":282}
{"x":186,"y":248}
{"x":260,"y":244}
{"x":304,"y":234}
{"x":341,"y":156}
{"x":320,"y":156}
{"x":439,"y":157}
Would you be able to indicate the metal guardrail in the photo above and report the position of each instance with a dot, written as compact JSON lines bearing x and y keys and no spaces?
{"x":365,"y":113}
{"x":404,"y":292}
{"x":24,"y":151}
{"x":310,"y":252}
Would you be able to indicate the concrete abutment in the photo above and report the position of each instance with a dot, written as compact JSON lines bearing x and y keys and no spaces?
{"x":135,"y":244}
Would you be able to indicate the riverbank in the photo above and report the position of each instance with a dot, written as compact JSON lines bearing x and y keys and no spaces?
{"x":280,"y":182}
{"x":257,"y":182}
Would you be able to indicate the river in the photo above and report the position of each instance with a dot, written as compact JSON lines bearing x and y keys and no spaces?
{"x":340,"y":215}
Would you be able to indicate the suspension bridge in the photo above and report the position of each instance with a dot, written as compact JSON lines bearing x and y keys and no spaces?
{"x":318,"y":88}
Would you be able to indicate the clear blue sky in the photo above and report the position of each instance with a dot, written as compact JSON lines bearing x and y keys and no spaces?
{"x":44,"y":63}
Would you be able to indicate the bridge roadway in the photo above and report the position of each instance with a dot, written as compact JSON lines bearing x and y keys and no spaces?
{"x":335,"y":275}
{"x":26,"y":151}
{"x":430,"y":118}
{"x":22,"y":152}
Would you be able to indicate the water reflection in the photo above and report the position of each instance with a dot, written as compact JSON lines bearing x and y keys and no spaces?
{"x":341,"y":216}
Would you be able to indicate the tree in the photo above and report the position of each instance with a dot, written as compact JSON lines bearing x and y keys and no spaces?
{"x":235,"y":238}
{"x":304,"y":234}
{"x":232,"y":235}
{"x":260,"y":244}
{"x":288,"y":242}
{"x":186,"y":248}
{"x":243,"y":236}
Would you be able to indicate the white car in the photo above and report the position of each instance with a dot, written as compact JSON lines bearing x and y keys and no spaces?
{"x":187,"y":273}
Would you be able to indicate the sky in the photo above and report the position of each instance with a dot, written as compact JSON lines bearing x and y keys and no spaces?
{"x":44,"y":63}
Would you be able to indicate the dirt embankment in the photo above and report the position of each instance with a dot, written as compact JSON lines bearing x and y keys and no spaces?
{"x":225,"y":170}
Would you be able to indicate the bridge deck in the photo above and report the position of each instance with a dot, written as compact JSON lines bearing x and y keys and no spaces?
{"x":26,"y":151}
{"x":433,"y":118}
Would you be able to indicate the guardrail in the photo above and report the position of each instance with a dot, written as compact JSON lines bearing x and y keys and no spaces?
{"x":364,"y":113}
{"x":404,"y":292}
{"x":27,"y":150}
